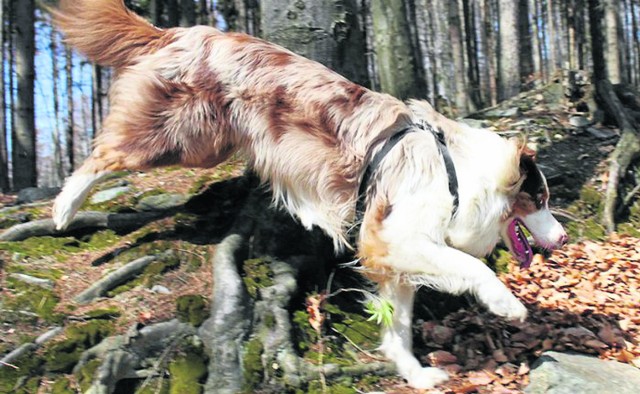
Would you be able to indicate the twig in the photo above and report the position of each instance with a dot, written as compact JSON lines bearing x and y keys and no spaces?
{"x":628,"y":198}
{"x":358,"y":348}
{"x":9,"y":365}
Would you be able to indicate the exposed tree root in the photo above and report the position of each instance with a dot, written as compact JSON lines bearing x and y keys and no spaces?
{"x":628,"y":148}
{"x":117,"y":277}
{"x":104,"y":220}
{"x":29,"y":347}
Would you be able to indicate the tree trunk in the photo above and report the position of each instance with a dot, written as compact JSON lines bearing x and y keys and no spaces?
{"x":525,"y":42}
{"x":394,"y":54}
{"x":96,"y":99}
{"x":58,"y":163}
{"x":509,"y":66}
{"x":187,"y":13}
{"x":173,"y":13}
{"x":24,"y":135}
{"x":612,"y":48}
{"x":455,"y":35}
{"x":155,"y":12}
{"x":535,"y":40}
{"x":597,"y":40}
{"x":473,"y":67}
{"x":327,"y":31}
{"x":70,"y":129}
{"x":4,"y":154}
{"x":552,"y":38}
{"x":203,"y":13}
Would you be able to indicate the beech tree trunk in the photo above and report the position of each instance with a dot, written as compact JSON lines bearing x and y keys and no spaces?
{"x":70,"y":129}
{"x":457,"y":50}
{"x":509,"y":61}
{"x":24,"y":134}
{"x":612,"y":49}
{"x":327,"y":31}
{"x":187,"y":13}
{"x":4,"y":156}
{"x":58,"y":163}
{"x":394,"y":54}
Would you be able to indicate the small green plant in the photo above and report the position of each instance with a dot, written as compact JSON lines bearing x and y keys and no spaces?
{"x":381,"y":311}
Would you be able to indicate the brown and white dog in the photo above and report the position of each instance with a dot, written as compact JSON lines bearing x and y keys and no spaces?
{"x":194,"y":96}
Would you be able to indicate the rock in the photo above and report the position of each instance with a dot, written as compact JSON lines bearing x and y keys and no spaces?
{"x":475,"y":123}
{"x":601,"y":134}
{"x":564,"y":373}
{"x":160,"y":289}
{"x":108,"y":194}
{"x":161,"y":202}
{"x":33,"y":194}
{"x":579,"y":121}
{"x":503,"y":113}
{"x":32,"y":280}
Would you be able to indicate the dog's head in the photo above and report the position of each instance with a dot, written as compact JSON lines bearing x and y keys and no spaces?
{"x":530,"y":210}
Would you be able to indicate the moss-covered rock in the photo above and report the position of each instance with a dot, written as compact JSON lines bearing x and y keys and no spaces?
{"x":28,"y":365}
{"x":588,"y":210}
{"x":187,"y":374}
{"x":62,"y":386}
{"x":192,"y":309}
{"x":104,"y":313}
{"x":62,"y":356}
{"x":86,"y":374}
{"x":257,"y":274}
{"x":252,"y":368}
{"x":32,"y":298}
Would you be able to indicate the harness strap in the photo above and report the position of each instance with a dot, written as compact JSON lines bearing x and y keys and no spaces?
{"x":374,"y":163}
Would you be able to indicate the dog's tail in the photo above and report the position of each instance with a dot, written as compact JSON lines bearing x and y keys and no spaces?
{"x":105,"y":31}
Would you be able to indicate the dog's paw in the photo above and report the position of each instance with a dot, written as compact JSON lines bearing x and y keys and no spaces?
{"x":62,"y":215}
{"x":427,"y":378}
{"x":509,"y":307}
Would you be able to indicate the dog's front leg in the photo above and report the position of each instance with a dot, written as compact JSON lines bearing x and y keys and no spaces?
{"x":397,"y":338}
{"x":452,"y":271}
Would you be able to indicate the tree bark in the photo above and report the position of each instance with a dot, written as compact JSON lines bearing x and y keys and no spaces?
{"x":24,"y":135}
{"x":187,"y":13}
{"x":173,"y":13}
{"x":394,"y":54}
{"x":4,"y":153}
{"x":614,"y":66}
{"x":70,"y":129}
{"x":525,"y":41}
{"x":327,"y":31}
{"x":156,"y":7}
{"x":58,"y":163}
{"x":509,"y":66}
{"x":457,"y":50}
{"x":96,"y":99}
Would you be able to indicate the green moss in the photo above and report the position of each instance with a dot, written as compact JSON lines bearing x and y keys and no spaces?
{"x":269,"y":320}
{"x":155,"y":387}
{"x":357,"y":328}
{"x":201,"y":183}
{"x":187,"y":374}
{"x":152,"y":273}
{"x":32,"y":298}
{"x":192,"y":309}
{"x":101,"y":240}
{"x":257,"y":274}
{"x":499,"y":260}
{"x":315,"y":387}
{"x":39,"y":272}
{"x":86,"y":374}
{"x":252,"y":368}
{"x":63,"y":356}
{"x":587,"y":229}
{"x":28,"y":365}
{"x":104,"y":313}
{"x":62,"y":386}
{"x":29,"y":386}
{"x":38,"y":247}
{"x":591,"y":199}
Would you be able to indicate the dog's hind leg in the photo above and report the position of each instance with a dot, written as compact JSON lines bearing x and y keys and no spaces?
{"x":397,"y":338}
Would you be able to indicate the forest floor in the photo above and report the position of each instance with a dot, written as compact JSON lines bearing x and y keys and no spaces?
{"x":583,"y":298}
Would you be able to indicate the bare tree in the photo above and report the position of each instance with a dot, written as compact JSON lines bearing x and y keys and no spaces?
{"x":509,"y":65}
{"x":612,"y":48}
{"x":327,"y":31}
{"x":457,"y":50}
{"x":24,"y":134}
{"x":58,"y":163}
{"x":70,"y":129}
{"x":394,"y":53}
{"x":4,"y":156}
{"x":187,"y":13}
{"x":156,"y":8}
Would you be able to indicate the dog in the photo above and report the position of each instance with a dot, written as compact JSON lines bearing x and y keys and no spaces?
{"x":438,"y":197}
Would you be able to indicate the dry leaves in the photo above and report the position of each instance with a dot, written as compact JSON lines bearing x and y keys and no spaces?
{"x":584,"y":298}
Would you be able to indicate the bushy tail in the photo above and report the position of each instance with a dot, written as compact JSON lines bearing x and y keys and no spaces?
{"x":105,"y":31}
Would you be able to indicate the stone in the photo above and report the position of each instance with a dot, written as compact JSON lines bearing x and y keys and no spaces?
{"x":568,"y":373}
{"x":161,"y":202}
{"x":108,"y":194}
{"x":33,"y":194}
{"x":601,"y":134}
{"x":503,"y":113}
{"x":32,"y":280}
{"x":579,"y":121}
{"x":160,"y":289}
{"x":475,"y":123}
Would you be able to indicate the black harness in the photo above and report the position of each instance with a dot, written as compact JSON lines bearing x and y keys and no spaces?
{"x":386,"y":148}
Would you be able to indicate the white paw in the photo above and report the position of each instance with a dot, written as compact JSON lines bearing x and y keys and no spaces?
{"x":427,"y":378}
{"x":62,"y":214}
{"x":509,"y":307}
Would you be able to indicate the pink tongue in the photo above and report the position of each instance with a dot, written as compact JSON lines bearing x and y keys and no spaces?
{"x":519,"y":247}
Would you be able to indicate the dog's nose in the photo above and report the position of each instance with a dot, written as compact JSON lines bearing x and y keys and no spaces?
{"x":563,"y":239}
